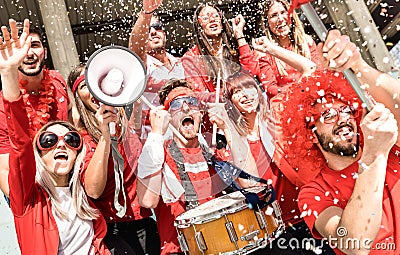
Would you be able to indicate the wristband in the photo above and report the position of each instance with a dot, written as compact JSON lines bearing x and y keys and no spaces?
{"x":242,"y":37}
{"x":143,"y":10}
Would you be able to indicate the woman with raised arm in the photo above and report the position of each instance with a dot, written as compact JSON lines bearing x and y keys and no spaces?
{"x":51,"y":211}
{"x":215,"y":49}
{"x":283,"y":55}
{"x":288,"y":34}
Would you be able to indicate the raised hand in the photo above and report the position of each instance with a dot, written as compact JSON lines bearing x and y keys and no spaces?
{"x":338,"y":53}
{"x":380,"y":132}
{"x":159,"y":120}
{"x":218,"y":115}
{"x":151,"y":5}
{"x":13,"y":49}
{"x":263,"y":44}
{"x":238,"y":24}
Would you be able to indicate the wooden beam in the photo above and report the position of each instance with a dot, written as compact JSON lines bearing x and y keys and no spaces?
{"x":59,"y":35}
{"x":372,"y":5}
{"x":391,"y":29}
{"x":352,"y":17}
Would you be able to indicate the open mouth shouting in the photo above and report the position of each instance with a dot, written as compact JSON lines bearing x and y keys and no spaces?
{"x":61,"y":157}
{"x":155,"y":38}
{"x":95,"y":102}
{"x":214,"y":26}
{"x":188,"y":123}
{"x":345,"y":132}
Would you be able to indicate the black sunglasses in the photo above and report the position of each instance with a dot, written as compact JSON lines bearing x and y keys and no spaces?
{"x":48,"y":140}
{"x":157,"y":26}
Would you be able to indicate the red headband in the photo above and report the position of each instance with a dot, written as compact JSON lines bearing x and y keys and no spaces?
{"x":176,"y":92}
{"x":77,"y":82}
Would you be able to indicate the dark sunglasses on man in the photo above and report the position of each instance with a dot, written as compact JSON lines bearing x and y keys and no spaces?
{"x":157,"y":26}
{"x":177,"y":103}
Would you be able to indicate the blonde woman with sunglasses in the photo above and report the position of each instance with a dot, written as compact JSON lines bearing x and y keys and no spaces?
{"x":51,"y":211}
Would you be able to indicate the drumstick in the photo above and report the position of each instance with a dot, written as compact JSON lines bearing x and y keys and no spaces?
{"x":217,"y":89}
{"x":172,"y":128}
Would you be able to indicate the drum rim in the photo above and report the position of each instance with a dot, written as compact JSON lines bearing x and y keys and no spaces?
{"x":219,"y":213}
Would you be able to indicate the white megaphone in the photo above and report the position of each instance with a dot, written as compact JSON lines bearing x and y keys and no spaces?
{"x":115,"y":76}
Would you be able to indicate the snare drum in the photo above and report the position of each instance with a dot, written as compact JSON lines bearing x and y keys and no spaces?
{"x":226,"y":225}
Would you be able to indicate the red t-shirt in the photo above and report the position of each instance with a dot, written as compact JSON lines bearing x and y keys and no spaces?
{"x":58,"y":111}
{"x":130,"y":151}
{"x":280,"y":82}
{"x":286,"y":192}
{"x":205,"y":184}
{"x":195,"y":71}
{"x":334,"y":188}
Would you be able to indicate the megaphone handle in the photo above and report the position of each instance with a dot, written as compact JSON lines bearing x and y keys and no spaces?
{"x":172,"y":128}
{"x":111,"y":125}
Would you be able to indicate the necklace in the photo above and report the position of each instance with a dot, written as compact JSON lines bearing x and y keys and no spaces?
{"x":39,"y":116}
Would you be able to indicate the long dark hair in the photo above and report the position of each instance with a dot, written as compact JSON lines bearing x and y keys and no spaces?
{"x":229,"y":43}
{"x":239,"y":80}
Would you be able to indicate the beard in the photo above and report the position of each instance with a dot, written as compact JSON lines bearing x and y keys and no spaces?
{"x":32,"y":72}
{"x":329,"y":145}
{"x":189,"y":135}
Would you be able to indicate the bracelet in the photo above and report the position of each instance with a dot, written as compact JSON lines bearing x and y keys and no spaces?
{"x":143,"y":10}
{"x":363,"y":166}
{"x":242,"y":37}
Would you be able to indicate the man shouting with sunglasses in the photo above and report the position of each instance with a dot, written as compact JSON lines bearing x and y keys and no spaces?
{"x":148,"y":39}
{"x":176,"y":172}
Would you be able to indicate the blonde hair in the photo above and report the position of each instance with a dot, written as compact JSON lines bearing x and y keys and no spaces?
{"x":79,"y":198}
{"x":298,"y":38}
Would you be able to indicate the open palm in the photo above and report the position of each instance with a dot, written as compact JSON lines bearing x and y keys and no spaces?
{"x":151,"y":5}
{"x":13,"y":49}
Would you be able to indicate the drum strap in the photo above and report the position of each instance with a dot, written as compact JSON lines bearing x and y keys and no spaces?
{"x":228,"y":172}
{"x":191,"y":200}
